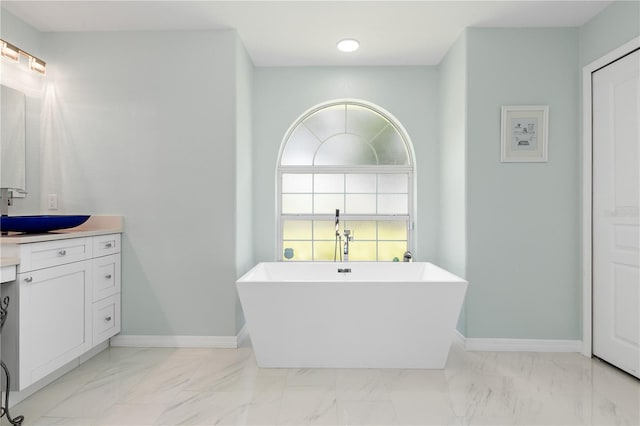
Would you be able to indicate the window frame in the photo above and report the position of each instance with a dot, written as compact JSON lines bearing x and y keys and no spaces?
{"x":350,"y":169}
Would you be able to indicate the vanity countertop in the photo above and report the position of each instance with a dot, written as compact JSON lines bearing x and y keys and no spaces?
{"x":9,"y":261}
{"x":96,"y":225}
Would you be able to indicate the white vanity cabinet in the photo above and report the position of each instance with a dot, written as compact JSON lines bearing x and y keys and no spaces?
{"x":65,"y":300}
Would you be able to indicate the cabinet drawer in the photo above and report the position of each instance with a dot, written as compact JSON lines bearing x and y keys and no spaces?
{"x":53,"y":253}
{"x":106,"y":276}
{"x":106,"y":319}
{"x":104,"y":245}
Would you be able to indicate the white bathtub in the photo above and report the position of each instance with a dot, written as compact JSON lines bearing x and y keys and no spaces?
{"x":379,"y":315}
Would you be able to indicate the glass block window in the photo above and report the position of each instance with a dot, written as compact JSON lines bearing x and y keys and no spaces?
{"x":351,"y":156}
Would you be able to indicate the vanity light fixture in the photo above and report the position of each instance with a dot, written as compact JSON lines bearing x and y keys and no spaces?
{"x":10,"y":52}
{"x":37,"y":65}
{"x":13,"y":53}
{"x":348,"y":45}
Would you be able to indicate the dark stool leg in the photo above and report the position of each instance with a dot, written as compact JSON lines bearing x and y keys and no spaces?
{"x":17,"y":421}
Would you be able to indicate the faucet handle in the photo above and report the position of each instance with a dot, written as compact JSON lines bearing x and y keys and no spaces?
{"x":407,"y":257}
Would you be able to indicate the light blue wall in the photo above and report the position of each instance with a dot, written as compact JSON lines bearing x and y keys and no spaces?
{"x":611,"y":28}
{"x":244,"y":178}
{"x":20,"y":34}
{"x":27,"y":38}
{"x":523,"y":218}
{"x":162,"y":140}
{"x":281,"y":95}
{"x":452,"y":241}
{"x":453,"y":139}
{"x":168,"y":146}
{"x":143,"y":124}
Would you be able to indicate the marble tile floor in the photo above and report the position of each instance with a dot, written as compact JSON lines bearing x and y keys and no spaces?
{"x":166,"y":386}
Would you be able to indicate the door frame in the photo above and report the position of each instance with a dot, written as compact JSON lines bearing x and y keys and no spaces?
{"x":587,"y":189}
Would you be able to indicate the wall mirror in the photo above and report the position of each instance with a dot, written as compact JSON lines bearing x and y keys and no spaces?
{"x":12,"y":139}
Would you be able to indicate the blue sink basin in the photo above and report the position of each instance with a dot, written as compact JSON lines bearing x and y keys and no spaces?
{"x":40,"y":224}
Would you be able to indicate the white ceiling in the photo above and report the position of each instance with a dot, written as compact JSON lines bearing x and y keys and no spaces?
{"x":300,"y":33}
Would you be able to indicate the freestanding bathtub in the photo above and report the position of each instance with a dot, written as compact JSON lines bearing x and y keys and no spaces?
{"x":351,"y":315}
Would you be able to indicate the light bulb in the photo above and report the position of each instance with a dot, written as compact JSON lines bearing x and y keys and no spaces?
{"x":348,"y":45}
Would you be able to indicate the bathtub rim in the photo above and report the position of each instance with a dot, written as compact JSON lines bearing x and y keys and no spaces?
{"x":442,"y":275}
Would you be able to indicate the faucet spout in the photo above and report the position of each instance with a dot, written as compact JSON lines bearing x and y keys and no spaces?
{"x":336,"y":249}
{"x":347,"y":238}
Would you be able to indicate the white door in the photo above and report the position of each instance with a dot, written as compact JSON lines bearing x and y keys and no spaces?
{"x":616,"y":219}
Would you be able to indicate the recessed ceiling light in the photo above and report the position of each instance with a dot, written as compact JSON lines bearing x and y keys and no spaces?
{"x":348,"y":45}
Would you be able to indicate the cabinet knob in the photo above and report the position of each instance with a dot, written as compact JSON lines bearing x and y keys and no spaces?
{"x":28,"y":279}
{"x":108,"y":245}
{"x":108,"y":318}
{"x":62,"y":253}
{"x":108,"y":276}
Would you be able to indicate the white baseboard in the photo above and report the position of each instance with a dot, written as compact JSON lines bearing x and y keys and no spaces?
{"x":458,"y":339}
{"x":468,"y":343}
{"x":517,"y":345}
{"x":142,"y":341}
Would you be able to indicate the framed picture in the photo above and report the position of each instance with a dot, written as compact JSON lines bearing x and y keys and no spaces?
{"x":524,"y":135}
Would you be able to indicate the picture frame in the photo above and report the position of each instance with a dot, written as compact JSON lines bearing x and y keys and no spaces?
{"x":524,"y":134}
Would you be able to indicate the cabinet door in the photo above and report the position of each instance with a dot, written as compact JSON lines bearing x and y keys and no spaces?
{"x":54,"y":308}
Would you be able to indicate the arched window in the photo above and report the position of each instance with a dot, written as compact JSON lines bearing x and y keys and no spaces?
{"x":352,"y":156}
